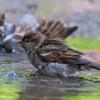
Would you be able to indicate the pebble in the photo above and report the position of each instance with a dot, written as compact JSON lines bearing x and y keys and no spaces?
{"x":12,"y":76}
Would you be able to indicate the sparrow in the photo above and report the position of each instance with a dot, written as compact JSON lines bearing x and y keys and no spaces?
{"x":55,"y":50}
{"x":44,"y":49}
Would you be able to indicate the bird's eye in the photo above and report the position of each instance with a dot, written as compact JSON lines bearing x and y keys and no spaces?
{"x":26,"y":40}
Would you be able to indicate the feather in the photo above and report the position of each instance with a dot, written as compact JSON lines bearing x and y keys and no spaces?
{"x":55,"y":29}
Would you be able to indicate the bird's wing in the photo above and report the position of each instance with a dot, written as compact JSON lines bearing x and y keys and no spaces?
{"x":55,"y":29}
{"x":57,"y":51}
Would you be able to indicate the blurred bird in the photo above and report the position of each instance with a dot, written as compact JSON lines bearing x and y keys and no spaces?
{"x":43,"y":49}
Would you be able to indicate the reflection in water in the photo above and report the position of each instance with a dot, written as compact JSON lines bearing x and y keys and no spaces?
{"x":13,"y":71}
{"x":10,"y":82}
{"x":94,"y":95}
{"x":93,"y":92}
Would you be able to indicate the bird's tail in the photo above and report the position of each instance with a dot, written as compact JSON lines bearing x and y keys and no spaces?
{"x":87,"y":63}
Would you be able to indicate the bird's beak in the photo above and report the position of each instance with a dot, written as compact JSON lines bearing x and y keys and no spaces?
{"x":13,"y":37}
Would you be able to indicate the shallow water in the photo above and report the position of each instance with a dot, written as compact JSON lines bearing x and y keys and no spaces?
{"x":13,"y":71}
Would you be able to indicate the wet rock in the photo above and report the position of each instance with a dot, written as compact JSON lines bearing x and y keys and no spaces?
{"x":59,"y":70}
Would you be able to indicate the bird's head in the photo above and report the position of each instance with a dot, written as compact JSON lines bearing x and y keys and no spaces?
{"x":30,"y":40}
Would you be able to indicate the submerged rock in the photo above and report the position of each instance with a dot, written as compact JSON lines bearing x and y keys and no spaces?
{"x":59,"y":70}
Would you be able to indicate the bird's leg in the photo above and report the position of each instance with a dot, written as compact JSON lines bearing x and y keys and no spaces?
{"x":79,"y":67}
{"x":34,"y":61}
{"x":39,"y":64}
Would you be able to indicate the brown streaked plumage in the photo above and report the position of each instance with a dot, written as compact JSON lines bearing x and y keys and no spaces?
{"x":53,"y":50}
{"x":55,"y":29}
